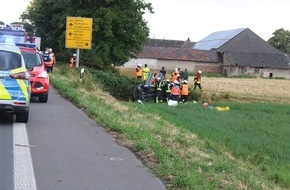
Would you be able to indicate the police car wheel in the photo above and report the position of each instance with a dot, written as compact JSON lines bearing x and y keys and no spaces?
{"x":22,"y":117}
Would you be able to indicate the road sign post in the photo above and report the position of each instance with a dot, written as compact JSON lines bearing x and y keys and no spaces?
{"x":78,"y":34}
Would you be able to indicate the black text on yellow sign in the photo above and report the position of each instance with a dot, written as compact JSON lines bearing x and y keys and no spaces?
{"x":78,"y":32}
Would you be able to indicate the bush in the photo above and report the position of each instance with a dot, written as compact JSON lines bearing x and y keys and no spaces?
{"x":194,"y":95}
{"x":120,"y":87}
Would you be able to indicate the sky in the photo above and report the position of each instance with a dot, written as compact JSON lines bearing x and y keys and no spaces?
{"x":12,"y":9}
{"x":180,"y":19}
{"x":195,"y":19}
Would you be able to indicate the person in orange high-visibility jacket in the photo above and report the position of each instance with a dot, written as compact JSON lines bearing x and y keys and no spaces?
{"x":174,"y":77}
{"x":184,"y":91}
{"x":73,"y":60}
{"x":139,"y":72}
{"x":175,"y":91}
{"x":53,"y":59}
{"x":197,"y":80}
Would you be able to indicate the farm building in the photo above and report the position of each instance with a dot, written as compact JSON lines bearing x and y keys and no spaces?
{"x":231,"y":52}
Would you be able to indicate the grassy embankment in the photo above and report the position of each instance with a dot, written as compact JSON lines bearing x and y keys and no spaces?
{"x":189,"y":146}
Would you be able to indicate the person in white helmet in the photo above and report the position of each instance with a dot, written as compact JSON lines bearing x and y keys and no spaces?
{"x":139,"y":71}
{"x":48,"y":59}
{"x":184,"y":91}
{"x":175,"y":91}
{"x":73,"y":60}
{"x":53,"y":59}
{"x":197,"y":80}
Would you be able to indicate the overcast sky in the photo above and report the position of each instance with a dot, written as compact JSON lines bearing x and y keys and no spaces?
{"x":180,"y":19}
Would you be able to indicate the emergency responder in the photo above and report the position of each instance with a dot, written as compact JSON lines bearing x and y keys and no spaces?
{"x":154,"y":79}
{"x":197,"y":80}
{"x":53,"y":59}
{"x":166,"y":89}
{"x":47,"y":57}
{"x":159,"y":93}
{"x":174,"y":75}
{"x":139,"y":71}
{"x":146,"y":72}
{"x":175,"y":91}
{"x":73,"y":60}
{"x":184,"y":91}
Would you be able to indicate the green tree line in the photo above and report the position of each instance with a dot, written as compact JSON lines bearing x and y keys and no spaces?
{"x":118,"y":34}
{"x":281,"y":40}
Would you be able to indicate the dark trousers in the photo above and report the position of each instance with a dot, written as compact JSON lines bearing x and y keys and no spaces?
{"x":197,"y":85}
{"x":184,"y":98}
{"x":49,"y":69}
{"x":159,"y":96}
{"x":174,"y":97}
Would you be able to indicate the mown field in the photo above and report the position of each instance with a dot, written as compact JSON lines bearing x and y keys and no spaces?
{"x":192,"y":147}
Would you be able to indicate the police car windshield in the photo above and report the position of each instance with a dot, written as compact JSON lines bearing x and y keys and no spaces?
{"x":32,"y":58}
{"x":9,"y":60}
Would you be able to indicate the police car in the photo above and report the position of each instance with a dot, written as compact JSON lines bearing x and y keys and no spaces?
{"x":14,"y":83}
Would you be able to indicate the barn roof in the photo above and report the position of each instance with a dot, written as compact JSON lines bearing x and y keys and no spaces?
{"x":169,"y":43}
{"x":216,"y":39}
{"x":181,"y":54}
{"x":242,"y":47}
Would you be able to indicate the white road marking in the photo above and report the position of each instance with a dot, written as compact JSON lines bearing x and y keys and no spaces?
{"x":24,"y":178}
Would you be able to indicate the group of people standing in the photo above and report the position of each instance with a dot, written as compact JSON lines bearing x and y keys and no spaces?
{"x":49,"y":59}
{"x":176,"y":88}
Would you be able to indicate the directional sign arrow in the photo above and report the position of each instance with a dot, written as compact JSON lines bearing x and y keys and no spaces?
{"x":70,"y":34}
{"x":86,"y":44}
{"x":71,"y":24}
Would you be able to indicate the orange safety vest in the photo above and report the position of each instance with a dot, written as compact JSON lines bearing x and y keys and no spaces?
{"x":174,"y":77}
{"x":184,"y":90}
{"x":53,"y":57}
{"x":175,"y":90}
{"x":139,"y":72}
{"x":73,"y":62}
{"x":154,"y":80}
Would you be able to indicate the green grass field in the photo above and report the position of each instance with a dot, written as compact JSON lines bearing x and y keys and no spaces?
{"x":258,"y":133}
{"x":191,"y":147}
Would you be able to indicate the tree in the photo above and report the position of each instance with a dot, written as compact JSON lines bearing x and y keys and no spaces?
{"x":281,"y":40}
{"x":2,"y":23}
{"x":119,"y":30}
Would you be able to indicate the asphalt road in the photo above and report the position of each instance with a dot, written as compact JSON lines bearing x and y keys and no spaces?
{"x":66,"y":150}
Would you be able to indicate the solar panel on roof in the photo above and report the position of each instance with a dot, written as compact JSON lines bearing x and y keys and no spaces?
{"x":217,"y":39}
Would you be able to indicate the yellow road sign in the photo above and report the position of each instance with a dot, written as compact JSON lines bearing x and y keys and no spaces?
{"x":78,"y":32}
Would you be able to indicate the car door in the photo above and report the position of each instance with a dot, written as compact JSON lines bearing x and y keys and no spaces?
{"x":13,"y":82}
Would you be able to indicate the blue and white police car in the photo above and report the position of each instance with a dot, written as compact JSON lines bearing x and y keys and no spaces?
{"x":15,"y":88}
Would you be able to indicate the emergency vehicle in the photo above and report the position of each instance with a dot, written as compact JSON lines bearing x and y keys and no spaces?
{"x":39,"y":78}
{"x":14,"y":83}
{"x":15,"y":33}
